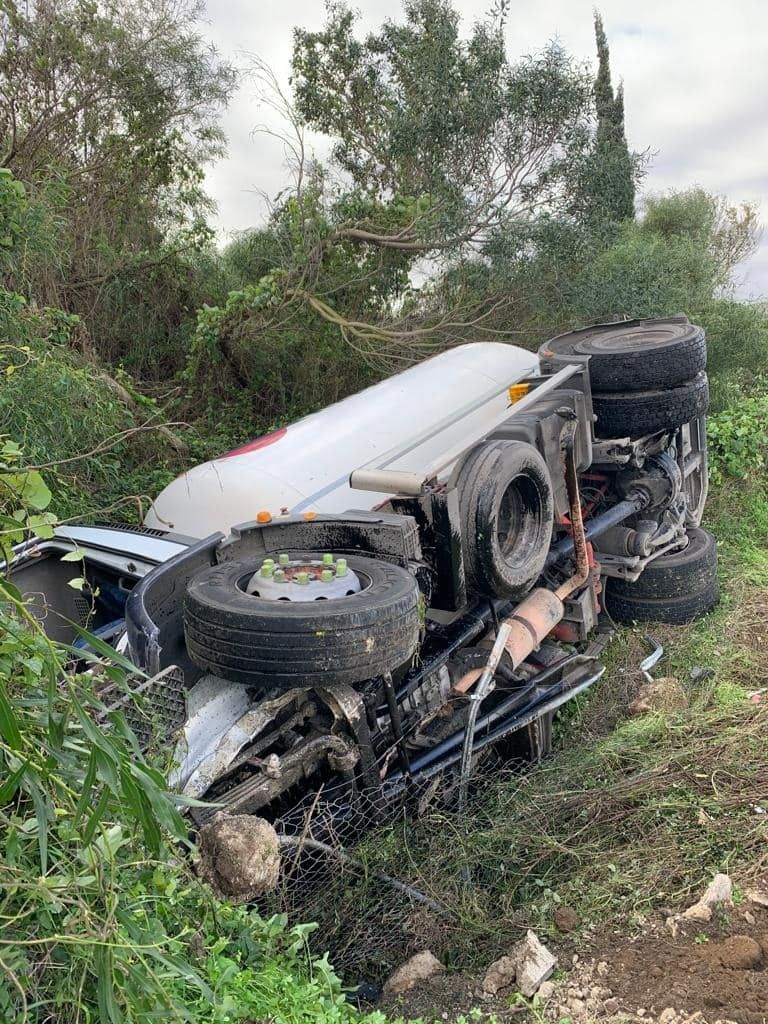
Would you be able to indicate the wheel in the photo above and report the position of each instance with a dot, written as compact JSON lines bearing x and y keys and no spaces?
{"x":676,"y":588}
{"x":344,"y":634}
{"x":636,"y":413}
{"x":635,"y":355}
{"x":506,"y":510}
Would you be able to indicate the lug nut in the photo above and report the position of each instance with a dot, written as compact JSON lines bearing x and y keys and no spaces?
{"x":341,"y":567}
{"x":327,"y":559}
{"x":326,"y":575}
{"x":284,"y":559}
{"x":279,"y":576}
{"x":267,"y":569}
{"x":302,"y":577}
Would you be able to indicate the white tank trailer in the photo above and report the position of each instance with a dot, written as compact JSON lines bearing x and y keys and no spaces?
{"x":405,"y":422}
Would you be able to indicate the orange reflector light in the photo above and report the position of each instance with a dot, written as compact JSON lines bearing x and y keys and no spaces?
{"x":310,"y":515}
{"x":263,"y":517}
{"x":518,"y":391}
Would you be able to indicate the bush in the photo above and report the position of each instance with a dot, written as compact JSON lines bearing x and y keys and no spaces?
{"x":738,"y":442}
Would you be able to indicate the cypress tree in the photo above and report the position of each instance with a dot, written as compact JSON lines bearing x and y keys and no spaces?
{"x":608,"y":182}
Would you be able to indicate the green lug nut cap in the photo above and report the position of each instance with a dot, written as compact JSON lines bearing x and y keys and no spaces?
{"x":302,"y":577}
{"x":284,"y":559}
{"x":268,"y":561}
{"x":341,"y":567}
{"x":326,"y":575}
{"x":327,"y":559}
{"x":279,"y":575}
{"x":267,"y":569}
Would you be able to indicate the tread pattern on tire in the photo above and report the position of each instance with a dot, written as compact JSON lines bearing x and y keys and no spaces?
{"x":675,"y":588}
{"x":655,"y":365}
{"x":636,"y":413}
{"x":287,"y":644}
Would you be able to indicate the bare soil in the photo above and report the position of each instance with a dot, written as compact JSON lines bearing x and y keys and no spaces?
{"x":674,"y":971}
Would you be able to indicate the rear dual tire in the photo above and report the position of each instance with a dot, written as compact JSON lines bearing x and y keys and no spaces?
{"x":676,"y":588}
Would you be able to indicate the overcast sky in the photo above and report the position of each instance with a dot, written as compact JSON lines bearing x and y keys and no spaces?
{"x":695,"y":75}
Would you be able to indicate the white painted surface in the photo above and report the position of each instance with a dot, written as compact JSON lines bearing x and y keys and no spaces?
{"x":307,"y":467}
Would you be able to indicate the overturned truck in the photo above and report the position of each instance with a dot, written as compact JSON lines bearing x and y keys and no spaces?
{"x":422,"y":575}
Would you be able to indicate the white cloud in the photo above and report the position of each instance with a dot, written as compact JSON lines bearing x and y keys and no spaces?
{"x":694,"y":73}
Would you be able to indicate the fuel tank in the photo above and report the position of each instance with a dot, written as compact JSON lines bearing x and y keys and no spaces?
{"x":403,"y":423}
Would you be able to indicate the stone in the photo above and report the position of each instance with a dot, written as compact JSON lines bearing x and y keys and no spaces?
{"x":749,"y":917}
{"x":239,"y":856}
{"x":566,"y":919}
{"x":602,"y":968}
{"x":718,"y":891}
{"x":611,"y":1005}
{"x":667,"y":1016}
{"x":419,"y":968}
{"x":546,"y":990}
{"x":500,"y":975}
{"x":577,"y":1005}
{"x":534,"y":962}
{"x":758,"y":897}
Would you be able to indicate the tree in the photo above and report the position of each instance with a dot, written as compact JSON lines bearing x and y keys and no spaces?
{"x":108,"y":114}
{"x":605,"y":180}
{"x":416,"y":111}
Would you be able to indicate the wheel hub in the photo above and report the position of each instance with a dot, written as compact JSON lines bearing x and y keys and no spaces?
{"x":304,"y":579}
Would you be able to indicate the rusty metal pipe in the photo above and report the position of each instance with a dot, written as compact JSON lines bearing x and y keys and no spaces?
{"x":581,"y":575}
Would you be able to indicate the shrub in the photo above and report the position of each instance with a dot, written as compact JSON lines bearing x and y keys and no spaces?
{"x":738,"y":444}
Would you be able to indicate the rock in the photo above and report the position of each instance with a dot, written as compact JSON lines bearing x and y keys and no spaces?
{"x":239,"y":856}
{"x":749,"y":917}
{"x":421,"y":967}
{"x":667,"y":1016}
{"x":500,"y":975}
{"x":758,"y":897}
{"x":546,"y":990}
{"x":718,"y":891}
{"x":577,"y":1005}
{"x":611,"y":1005}
{"x":663,"y":694}
{"x":740,"y":952}
{"x":566,"y":919}
{"x":602,"y":968}
{"x":534,"y":963}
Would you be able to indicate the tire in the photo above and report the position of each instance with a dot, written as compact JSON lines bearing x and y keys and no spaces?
{"x":286,"y":644}
{"x":675,"y":588}
{"x":506,"y":513}
{"x":636,"y":413}
{"x":636,"y":355}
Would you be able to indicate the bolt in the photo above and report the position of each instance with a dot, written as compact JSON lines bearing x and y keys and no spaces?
{"x":279,"y":576}
{"x":326,"y":575}
{"x":284,"y":559}
{"x":267,"y":569}
{"x":302,"y":577}
{"x":341,"y":567}
{"x":327,"y":559}
{"x":268,"y":561}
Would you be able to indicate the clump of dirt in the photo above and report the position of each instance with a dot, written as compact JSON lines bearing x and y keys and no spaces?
{"x":239,"y":856}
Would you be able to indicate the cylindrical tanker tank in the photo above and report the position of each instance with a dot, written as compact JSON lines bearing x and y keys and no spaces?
{"x":419,"y":413}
